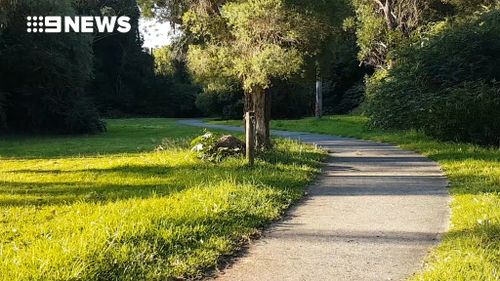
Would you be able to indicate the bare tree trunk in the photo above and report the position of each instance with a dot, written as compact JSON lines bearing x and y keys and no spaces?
{"x":319,"y":97}
{"x":387,"y":9}
{"x":389,"y":15}
{"x":260,"y":102}
{"x":401,"y":15}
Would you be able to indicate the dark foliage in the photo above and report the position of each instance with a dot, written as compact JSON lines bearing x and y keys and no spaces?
{"x":344,"y":88}
{"x":447,"y":86}
{"x":125,"y":82}
{"x":43,"y":75}
{"x":173,"y":94}
{"x":292,"y":99}
{"x":289,"y":100}
{"x":341,"y":101}
{"x":60,"y":83}
{"x":227,"y":105}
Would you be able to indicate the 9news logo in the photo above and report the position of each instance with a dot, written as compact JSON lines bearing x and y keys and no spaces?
{"x":84,"y":24}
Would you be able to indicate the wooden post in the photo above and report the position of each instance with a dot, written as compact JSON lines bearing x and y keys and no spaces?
{"x":319,"y":98}
{"x":250,"y":136}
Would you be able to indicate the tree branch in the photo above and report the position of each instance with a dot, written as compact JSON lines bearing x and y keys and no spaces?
{"x":382,"y":6}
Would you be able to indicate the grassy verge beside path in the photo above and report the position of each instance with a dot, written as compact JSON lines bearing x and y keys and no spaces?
{"x":471,"y":249}
{"x":110,"y":207}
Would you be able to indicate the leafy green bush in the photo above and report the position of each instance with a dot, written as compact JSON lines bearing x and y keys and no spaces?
{"x":447,"y":85}
{"x":82,"y":117}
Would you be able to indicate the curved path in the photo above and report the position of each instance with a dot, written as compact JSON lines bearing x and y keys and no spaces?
{"x":373,"y":215}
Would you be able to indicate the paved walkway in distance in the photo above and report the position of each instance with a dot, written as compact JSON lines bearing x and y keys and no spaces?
{"x":373,"y":215}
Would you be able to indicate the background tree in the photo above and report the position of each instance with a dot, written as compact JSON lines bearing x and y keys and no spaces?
{"x":324,"y":55}
{"x":175,"y":90}
{"x":61,"y":82}
{"x":43,"y":76}
{"x":344,"y":79}
{"x":446,"y":85}
{"x":383,"y":26}
{"x":246,"y":43}
{"x":123,"y":72}
{"x":335,"y":62}
{"x":126,"y":82}
{"x":444,"y":81}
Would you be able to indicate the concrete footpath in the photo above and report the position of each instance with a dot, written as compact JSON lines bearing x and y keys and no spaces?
{"x":373,"y":214}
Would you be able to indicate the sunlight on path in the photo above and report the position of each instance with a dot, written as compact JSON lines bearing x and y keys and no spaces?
{"x":373,"y":215}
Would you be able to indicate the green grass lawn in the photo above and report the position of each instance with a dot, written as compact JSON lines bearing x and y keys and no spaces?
{"x":110,"y":207}
{"x":471,"y":249}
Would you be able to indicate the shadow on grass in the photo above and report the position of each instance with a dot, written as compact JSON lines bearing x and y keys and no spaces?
{"x":276,"y":157}
{"x":61,"y":193}
{"x":127,"y":136}
{"x":144,"y":181}
{"x":487,"y":234}
{"x":454,"y":154}
{"x":208,"y":246}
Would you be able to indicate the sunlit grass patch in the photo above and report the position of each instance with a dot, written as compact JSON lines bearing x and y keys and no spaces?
{"x":111,"y":207}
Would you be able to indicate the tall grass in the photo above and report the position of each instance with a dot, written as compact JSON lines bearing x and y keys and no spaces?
{"x":110,"y":207}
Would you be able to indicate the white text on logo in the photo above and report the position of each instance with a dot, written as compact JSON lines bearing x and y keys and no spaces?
{"x":83,"y":24}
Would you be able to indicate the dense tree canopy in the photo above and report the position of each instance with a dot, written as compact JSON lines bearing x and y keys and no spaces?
{"x":248,"y":44}
{"x":447,"y":85}
{"x":65,"y":82}
{"x":383,"y":26}
{"x":43,"y":77}
{"x":432,"y":61}
{"x":125,"y":82}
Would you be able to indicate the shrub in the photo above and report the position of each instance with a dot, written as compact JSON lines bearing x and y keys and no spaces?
{"x":447,"y":85}
{"x":82,"y":117}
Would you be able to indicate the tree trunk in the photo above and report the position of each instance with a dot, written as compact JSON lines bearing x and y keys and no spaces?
{"x":387,"y":9}
{"x":260,"y":102}
{"x":319,"y":97}
{"x":389,"y":18}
